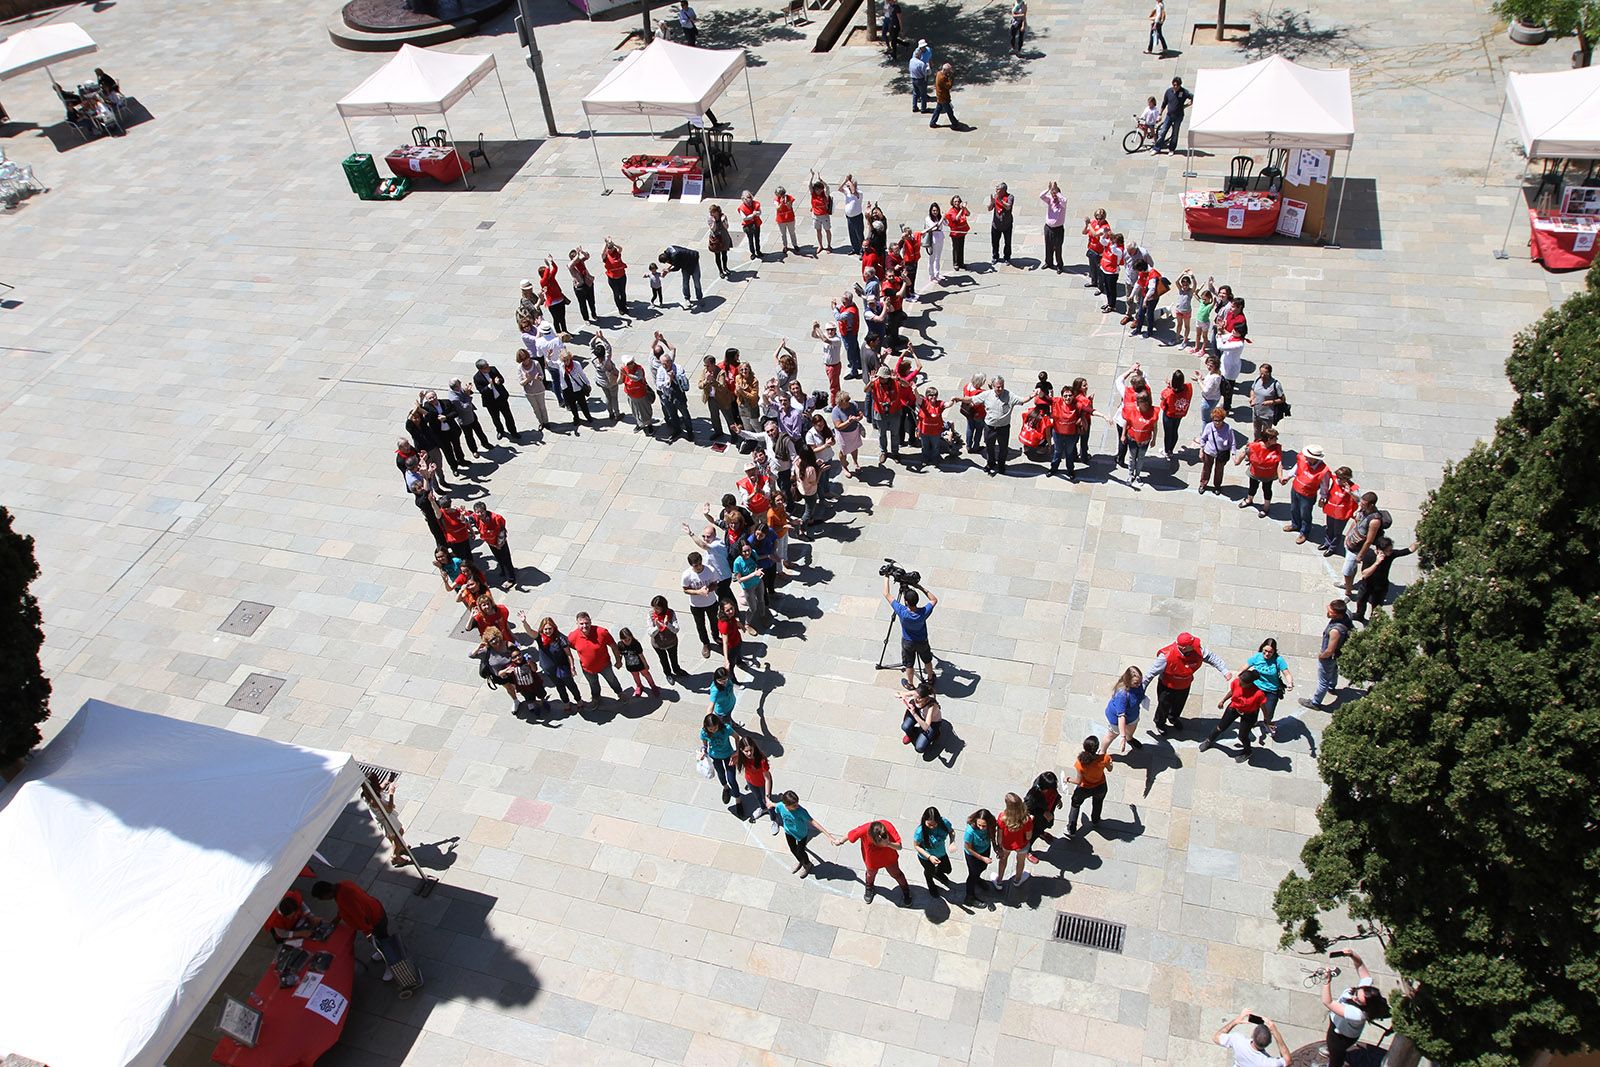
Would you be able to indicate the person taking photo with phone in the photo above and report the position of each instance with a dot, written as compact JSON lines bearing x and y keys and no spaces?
{"x":1250,"y":1050}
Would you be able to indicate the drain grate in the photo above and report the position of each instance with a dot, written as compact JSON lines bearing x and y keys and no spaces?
{"x":487,"y":224}
{"x":1090,"y":932}
{"x":255,"y":693}
{"x":245,"y":619}
{"x":464,"y":630}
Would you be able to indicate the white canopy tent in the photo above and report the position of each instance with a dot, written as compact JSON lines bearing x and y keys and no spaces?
{"x":38,"y":48}
{"x":1275,"y":104}
{"x":417,"y":81}
{"x":667,"y":79}
{"x":1558,"y":117}
{"x":143,"y":854}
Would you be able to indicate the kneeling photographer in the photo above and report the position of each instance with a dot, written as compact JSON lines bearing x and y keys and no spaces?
{"x":913,"y":616}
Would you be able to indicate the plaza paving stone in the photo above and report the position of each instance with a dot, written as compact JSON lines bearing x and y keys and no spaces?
{"x":208,"y":356}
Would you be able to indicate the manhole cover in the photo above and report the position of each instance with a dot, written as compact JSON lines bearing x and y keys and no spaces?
{"x":1089,"y":932}
{"x":464,"y":630}
{"x":255,"y":693}
{"x":487,"y":225}
{"x":245,"y":619}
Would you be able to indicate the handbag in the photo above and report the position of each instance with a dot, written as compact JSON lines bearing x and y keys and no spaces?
{"x":703,"y":765}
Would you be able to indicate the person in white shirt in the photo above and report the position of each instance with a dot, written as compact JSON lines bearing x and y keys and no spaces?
{"x":1250,"y":1050}
{"x":700,"y":582}
{"x":853,"y":217}
{"x":832,"y":353}
{"x":688,"y":23}
{"x":1348,"y":1015}
{"x":1158,"y":19}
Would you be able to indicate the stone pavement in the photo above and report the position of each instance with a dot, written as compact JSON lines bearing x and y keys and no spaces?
{"x":210,"y":351}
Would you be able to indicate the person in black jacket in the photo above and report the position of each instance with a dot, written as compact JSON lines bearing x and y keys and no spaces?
{"x":491,"y":386}
{"x":420,"y":427}
{"x":1043,"y":800}
{"x":447,"y":423}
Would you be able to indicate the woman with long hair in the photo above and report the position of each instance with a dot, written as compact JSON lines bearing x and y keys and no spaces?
{"x":1243,"y":701}
{"x":1015,"y":826}
{"x":1088,"y":778}
{"x":1272,"y":678}
{"x":750,"y":761}
{"x":716,"y":745}
{"x":933,"y":235}
{"x":555,"y":659}
{"x":1122,"y":710}
{"x":932,"y":841}
{"x":977,"y":844}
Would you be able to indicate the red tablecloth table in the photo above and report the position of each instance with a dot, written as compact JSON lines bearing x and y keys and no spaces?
{"x":1562,"y":242}
{"x":442,"y":164}
{"x":292,"y":1034}
{"x":1241,"y":215}
{"x":643,"y":170}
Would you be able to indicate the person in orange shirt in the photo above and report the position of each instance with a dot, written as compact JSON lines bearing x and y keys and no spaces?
{"x":1266,"y":461}
{"x":361,"y":910}
{"x":1088,"y":777}
{"x":1339,"y":496}
{"x":750,"y":209}
{"x":784,"y":216}
{"x":880,"y":850}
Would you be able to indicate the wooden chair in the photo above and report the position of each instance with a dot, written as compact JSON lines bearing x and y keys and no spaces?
{"x":419,"y":135}
{"x":1239,"y":174}
{"x":479,"y":153}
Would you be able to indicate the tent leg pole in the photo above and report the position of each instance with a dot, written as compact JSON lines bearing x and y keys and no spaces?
{"x":755,"y":134}
{"x":348,"y":134}
{"x":507,"y":102}
{"x":457,"y":151}
{"x":398,"y":840}
{"x":605,"y":190}
{"x":1494,"y":140}
{"x":1339,"y":210}
{"x":1500,"y":253}
{"x":1188,"y":171}
{"x":650,"y":123}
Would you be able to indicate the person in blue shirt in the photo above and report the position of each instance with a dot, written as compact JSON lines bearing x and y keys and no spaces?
{"x":978,"y":845}
{"x":797,"y":826}
{"x":931,"y":840}
{"x":716,"y":745}
{"x":1122,"y":710}
{"x":1273,"y":679}
{"x":913,"y":616}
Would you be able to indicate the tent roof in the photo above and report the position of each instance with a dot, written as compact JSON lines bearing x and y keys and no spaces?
{"x":1558,"y":113}
{"x":1272,"y":104}
{"x":417,"y":82}
{"x":33,"y":49}
{"x":143,"y":854}
{"x":666,"y":79}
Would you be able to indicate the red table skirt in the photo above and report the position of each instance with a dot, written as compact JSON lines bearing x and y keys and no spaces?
{"x":448,"y":167}
{"x":292,"y":1035}
{"x":1556,"y":249}
{"x":1213,"y":221}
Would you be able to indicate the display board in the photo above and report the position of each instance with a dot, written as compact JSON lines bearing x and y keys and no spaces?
{"x":1306,"y":179}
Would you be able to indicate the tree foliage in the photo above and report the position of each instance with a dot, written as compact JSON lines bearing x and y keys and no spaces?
{"x":1563,"y":18}
{"x":1464,"y":787}
{"x":26,"y":691}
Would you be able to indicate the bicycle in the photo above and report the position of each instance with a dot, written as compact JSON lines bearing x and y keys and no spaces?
{"x":1135,"y":139}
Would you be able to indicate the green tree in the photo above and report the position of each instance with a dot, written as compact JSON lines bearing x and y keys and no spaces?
{"x":1462,"y":820}
{"x":26,"y":691}
{"x":1563,"y":18}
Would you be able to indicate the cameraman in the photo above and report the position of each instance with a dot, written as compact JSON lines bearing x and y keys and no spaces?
{"x":1348,"y":1014}
{"x":913,"y":630}
{"x":1252,"y":1051}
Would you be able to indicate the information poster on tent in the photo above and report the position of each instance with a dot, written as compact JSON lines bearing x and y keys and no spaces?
{"x":1583,"y":241}
{"x":1292,"y":219}
{"x":1307,"y":166}
{"x":1236,"y":218}
{"x":1581,"y":200}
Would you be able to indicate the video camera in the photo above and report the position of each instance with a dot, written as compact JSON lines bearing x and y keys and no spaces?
{"x":902,"y":577}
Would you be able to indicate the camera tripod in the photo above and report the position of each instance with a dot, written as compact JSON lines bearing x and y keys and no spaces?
{"x":893,"y":618}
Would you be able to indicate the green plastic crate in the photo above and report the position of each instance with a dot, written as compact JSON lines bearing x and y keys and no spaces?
{"x":362,"y":174}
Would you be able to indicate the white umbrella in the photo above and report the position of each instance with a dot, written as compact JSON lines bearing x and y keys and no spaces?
{"x":37,"y":48}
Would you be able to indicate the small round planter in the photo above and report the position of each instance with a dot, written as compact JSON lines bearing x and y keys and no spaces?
{"x":1524,"y":33}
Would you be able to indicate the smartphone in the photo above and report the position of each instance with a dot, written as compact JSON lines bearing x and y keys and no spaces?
{"x":1258,"y":1020}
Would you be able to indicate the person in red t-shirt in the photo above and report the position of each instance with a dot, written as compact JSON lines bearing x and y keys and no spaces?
{"x":1339,"y":496}
{"x":730,"y":631}
{"x":784,"y":217}
{"x":555,"y":301}
{"x":1266,"y":461}
{"x":930,"y":425}
{"x":1141,"y":427}
{"x":880,"y":851}
{"x":486,"y":614}
{"x":457,"y":531}
{"x":1175,"y":401}
{"x":1244,"y":702}
{"x":361,"y":910}
{"x":597,"y":655}
{"x":750,"y":209}
{"x":958,"y":221}
{"x":290,"y":919}
{"x":492,"y":532}
{"x":910,"y":255}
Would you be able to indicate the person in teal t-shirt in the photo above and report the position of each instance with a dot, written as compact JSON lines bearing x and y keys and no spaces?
{"x":723,"y":697}
{"x":716,"y":744}
{"x":977,"y":843}
{"x":797,"y":826}
{"x":932,"y":838}
{"x":1273,"y":679}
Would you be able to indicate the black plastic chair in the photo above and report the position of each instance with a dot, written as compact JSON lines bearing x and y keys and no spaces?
{"x":1239,"y":174}
{"x":419,"y":135}
{"x":1272,"y":173}
{"x":439,"y":140}
{"x":479,"y":153}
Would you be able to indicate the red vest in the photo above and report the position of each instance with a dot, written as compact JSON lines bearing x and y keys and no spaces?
{"x":456,"y":530}
{"x":1141,"y":427}
{"x":1341,"y":502}
{"x":1180,"y":668}
{"x":755,"y":495}
{"x":1306,"y":480}
{"x":930,"y":417}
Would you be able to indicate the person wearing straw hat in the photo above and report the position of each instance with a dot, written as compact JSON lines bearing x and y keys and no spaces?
{"x":1311,"y":475}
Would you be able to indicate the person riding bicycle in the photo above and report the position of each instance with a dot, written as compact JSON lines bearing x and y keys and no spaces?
{"x":1148,"y":119}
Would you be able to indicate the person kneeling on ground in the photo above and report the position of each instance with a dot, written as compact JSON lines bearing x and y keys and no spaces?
{"x":923,"y":723}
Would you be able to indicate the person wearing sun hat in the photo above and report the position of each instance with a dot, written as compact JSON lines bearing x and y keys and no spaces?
{"x":884,"y":398}
{"x":1174,"y":671}
{"x":1311,"y":474}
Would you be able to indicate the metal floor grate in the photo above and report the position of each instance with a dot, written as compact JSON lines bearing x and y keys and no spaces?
{"x":1090,"y":932}
{"x":255,"y":693}
{"x":246,"y":618}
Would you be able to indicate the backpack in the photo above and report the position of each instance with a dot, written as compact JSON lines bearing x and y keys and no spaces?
{"x":1385,"y":520}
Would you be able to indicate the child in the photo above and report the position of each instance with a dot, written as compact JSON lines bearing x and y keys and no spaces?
{"x":1148,"y":118}
{"x":655,"y":286}
{"x":1183,"y":310}
{"x":1202,"y":322}
{"x":634,"y":663}
{"x":524,"y":674}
